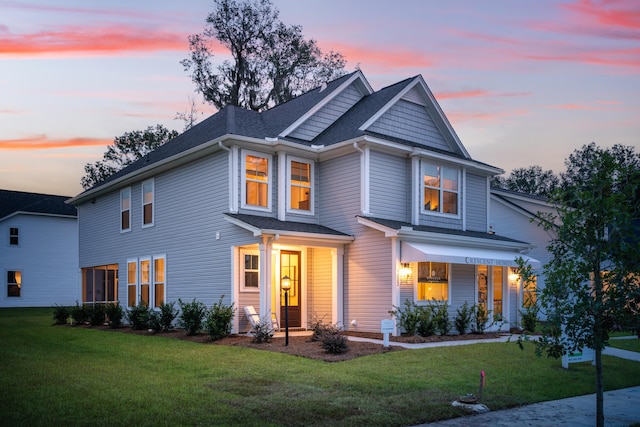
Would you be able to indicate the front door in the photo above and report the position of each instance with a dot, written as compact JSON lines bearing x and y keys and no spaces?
{"x":290,"y":267}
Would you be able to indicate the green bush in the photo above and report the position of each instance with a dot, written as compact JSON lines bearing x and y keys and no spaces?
{"x":97,"y":315}
{"x":319,"y":328}
{"x":407,"y":318}
{"x":191,"y":316}
{"x":263,"y":331}
{"x":441,"y":317}
{"x":138,"y":316}
{"x":114,"y":314}
{"x":480,"y":318}
{"x":529,"y":317}
{"x":218,"y":320}
{"x":61,"y":314}
{"x":168,"y":313}
{"x":464,"y":316}
{"x":79,"y":314}
{"x":154,"y":322}
{"x":334,"y":341}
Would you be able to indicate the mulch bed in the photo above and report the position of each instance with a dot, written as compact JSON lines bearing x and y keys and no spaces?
{"x":302,"y":345}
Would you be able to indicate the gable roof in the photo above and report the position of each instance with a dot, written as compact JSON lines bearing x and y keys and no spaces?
{"x":267,"y":225}
{"x":277,"y":123}
{"x":14,"y":202}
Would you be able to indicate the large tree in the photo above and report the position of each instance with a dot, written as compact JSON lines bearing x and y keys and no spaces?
{"x":593,"y":277}
{"x":531,"y":180}
{"x":125,"y":150}
{"x":271,"y":62}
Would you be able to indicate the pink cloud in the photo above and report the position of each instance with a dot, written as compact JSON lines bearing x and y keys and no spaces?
{"x":461,"y":117}
{"x":399,"y":57}
{"x":42,"y":142}
{"x":607,"y":13}
{"x":478,"y":93}
{"x":90,"y":40}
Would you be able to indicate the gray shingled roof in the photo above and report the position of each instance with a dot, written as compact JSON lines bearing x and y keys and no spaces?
{"x":397,"y":225}
{"x":18,"y":201}
{"x":268,"y":223}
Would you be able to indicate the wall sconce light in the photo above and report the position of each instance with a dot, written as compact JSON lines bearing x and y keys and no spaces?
{"x":405,"y":272}
{"x":514,"y":277}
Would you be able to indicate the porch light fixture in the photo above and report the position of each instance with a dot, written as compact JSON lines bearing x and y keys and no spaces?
{"x":405,"y":272}
{"x":285,"y":284}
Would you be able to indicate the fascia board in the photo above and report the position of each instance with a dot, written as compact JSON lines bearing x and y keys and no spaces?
{"x":439,"y":238}
{"x":16,"y":213}
{"x":388,"y":231}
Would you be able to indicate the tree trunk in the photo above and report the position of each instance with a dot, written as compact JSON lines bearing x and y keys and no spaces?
{"x":599,"y":390}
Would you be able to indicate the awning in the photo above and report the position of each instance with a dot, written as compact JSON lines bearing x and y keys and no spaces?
{"x":414,"y":252}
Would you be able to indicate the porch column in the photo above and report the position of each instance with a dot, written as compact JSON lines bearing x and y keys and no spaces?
{"x":265,"y":277}
{"x":337,"y":287}
{"x":395,"y":283}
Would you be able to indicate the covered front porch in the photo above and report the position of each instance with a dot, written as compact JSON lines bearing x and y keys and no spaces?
{"x":310,"y":257}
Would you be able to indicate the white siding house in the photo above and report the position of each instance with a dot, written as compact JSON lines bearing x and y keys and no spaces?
{"x":360,"y":198}
{"x":38,"y":250}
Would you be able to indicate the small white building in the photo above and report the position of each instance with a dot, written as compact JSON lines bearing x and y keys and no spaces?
{"x":38,"y":250}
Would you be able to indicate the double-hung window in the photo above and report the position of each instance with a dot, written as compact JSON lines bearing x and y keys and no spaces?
{"x":14,"y":283}
{"x":147,"y":203}
{"x":250,"y":271}
{"x":132,"y":282}
{"x":158,"y":281}
{"x":300,"y":176}
{"x":256,"y":180}
{"x":14,"y":236}
{"x":145,"y":280}
{"x":125,"y":209}
{"x":440,"y":187}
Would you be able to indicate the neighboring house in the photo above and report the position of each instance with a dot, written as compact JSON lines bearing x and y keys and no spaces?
{"x":362,"y":199}
{"x":38,"y":250}
{"x":517,"y":215}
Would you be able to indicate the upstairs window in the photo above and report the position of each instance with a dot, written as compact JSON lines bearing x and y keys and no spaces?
{"x":14,"y":283}
{"x":300,"y":173}
{"x":440,"y":189}
{"x":13,"y":236}
{"x":256,"y":175}
{"x":125,"y":209}
{"x":147,"y":203}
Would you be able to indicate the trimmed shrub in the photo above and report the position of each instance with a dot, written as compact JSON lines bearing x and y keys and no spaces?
{"x":115,"y":314}
{"x":168,"y":313}
{"x":319,"y":328}
{"x":79,"y":314}
{"x":333,"y":341}
{"x":480,"y":318}
{"x":441,"y":317}
{"x":218,"y":320}
{"x":154,"y":320}
{"x":263,"y":331}
{"x":407,"y":317}
{"x":426,"y":320}
{"x":464,"y":316}
{"x":139,"y":316}
{"x":61,"y":314}
{"x":191,"y":316}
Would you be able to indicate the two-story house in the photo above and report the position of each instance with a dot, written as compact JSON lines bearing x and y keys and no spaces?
{"x":362,"y":198}
{"x":38,"y":250}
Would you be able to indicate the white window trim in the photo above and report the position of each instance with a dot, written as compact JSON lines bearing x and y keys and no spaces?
{"x":152,"y":292}
{"x":153,"y":202}
{"x":243,"y":175}
{"x":135,"y":284}
{"x":458,"y":192}
{"x":244,"y":252}
{"x":414,"y":272}
{"x":311,"y":163}
{"x":125,"y":230}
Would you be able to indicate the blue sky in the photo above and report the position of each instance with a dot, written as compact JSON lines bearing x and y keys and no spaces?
{"x":523,"y":83}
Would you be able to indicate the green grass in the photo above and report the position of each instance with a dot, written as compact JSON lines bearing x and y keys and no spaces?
{"x":62,"y":375}
{"x":628,"y":344}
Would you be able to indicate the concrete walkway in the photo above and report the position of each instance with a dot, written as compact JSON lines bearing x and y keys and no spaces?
{"x":621,"y":407}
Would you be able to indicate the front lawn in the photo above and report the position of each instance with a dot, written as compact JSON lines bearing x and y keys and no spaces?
{"x":62,"y":375}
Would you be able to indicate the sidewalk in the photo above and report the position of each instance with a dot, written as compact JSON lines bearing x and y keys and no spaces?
{"x":621,"y":407}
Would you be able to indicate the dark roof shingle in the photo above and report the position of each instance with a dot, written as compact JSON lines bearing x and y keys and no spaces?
{"x":19,"y":201}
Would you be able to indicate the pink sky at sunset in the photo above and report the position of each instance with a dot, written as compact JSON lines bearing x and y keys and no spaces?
{"x":523,"y":83}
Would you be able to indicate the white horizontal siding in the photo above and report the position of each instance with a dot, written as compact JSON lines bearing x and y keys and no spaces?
{"x":339,"y":198}
{"x":476,"y":202}
{"x":47,"y":257}
{"x":319,"y":285}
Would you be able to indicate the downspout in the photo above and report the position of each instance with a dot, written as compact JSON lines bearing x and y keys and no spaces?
{"x":232,"y":177}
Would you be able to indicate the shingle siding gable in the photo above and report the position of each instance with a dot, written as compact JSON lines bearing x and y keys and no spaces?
{"x":411,"y":122}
